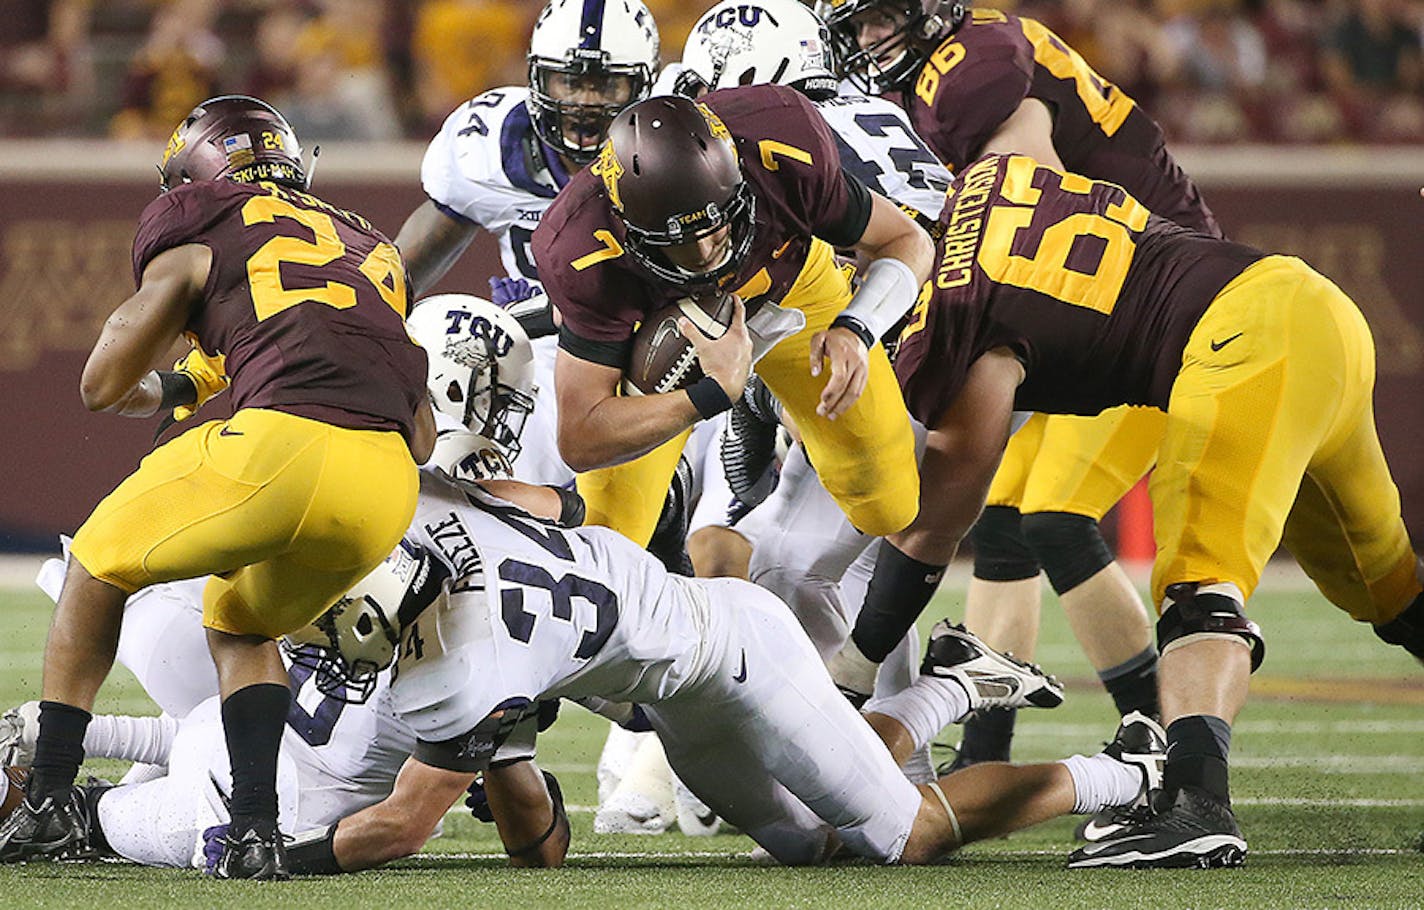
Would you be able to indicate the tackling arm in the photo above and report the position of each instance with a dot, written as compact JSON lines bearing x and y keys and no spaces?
{"x":962,"y":452}
{"x":400,"y":824}
{"x":117,"y":377}
{"x":431,"y":242}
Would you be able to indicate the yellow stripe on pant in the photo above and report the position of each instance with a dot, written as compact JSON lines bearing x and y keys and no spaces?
{"x":1270,"y":432}
{"x":865,"y":457}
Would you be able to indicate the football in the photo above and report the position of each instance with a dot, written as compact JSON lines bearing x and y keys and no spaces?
{"x":15,"y":791}
{"x":661,"y":359}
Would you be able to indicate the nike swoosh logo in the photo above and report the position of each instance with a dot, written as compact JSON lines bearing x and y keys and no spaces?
{"x":1218,"y":345}
{"x":1094,"y":849}
{"x":776,"y":254}
{"x":226,"y":432}
{"x":741,"y":676}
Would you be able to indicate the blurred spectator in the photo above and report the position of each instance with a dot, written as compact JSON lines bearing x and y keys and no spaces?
{"x":174,"y":69}
{"x":1372,"y":49}
{"x":340,"y":89}
{"x":1219,"y":48}
{"x":45,"y":63}
{"x":675,"y":19}
{"x":278,"y":47}
{"x":461,"y":48}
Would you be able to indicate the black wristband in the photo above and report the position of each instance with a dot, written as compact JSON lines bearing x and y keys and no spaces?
{"x":572,"y":508}
{"x":314,"y":857}
{"x":708,"y":397}
{"x":844,"y":321}
{"x":178,"y":389}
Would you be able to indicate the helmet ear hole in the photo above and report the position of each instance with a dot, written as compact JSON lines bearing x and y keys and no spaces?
{"x":364,"y":625}
{"x":454,"y":392}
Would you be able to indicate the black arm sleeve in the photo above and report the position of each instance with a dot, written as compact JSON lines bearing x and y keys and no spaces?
{"x":470,"y":752}
{"x":607,"y":353}
{"x":851,"y":227}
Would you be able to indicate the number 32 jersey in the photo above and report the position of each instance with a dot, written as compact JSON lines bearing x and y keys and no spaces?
{"x":1092,"y":293}
{"x":536,"y":612}
{"x":305,"y":302}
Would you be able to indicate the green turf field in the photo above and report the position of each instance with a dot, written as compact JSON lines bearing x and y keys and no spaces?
{"x":1329,"y":787}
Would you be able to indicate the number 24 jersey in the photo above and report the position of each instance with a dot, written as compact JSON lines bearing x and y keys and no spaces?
{"x":305,"y":302}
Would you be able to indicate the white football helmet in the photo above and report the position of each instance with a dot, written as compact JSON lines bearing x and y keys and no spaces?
{"x":770,"y":41}
{"x":348,"y":645}
{"x":481,"y":375}
{"x":588,"y":59}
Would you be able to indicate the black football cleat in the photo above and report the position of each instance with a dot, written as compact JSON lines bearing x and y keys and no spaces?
{"x":253,"y":854}
{"x":54,"y":829}
{"x":1197,"y":831}
{"x":1141,"y":743}
{"x":990,"y":679}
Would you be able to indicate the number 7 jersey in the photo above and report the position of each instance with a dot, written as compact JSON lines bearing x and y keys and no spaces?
{"x":1094,"y":294}
{"x":305,"y":303}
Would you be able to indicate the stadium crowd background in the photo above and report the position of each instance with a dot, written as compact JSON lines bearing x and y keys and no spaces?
{"x":1213,"y":71}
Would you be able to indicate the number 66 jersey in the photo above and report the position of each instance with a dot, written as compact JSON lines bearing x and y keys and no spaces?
{"x":535,"y":612}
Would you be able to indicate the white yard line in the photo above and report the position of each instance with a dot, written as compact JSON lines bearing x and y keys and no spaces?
{"x":1006,"y":854}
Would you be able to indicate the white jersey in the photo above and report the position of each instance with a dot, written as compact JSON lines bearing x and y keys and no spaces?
{"x":487,"y":166}
{"x":880,"y":147}
{"x":536,"y":612}
{"x":741,"y":701}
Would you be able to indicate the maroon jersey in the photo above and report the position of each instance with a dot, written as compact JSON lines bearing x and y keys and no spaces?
{"x":980,"y":75}
{"x":789,"y":156}
{"x":1094,"y":295}
{"x":304,"y":301}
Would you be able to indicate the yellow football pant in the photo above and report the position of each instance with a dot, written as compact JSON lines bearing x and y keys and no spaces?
{"x":285,"y":513}
{"x":1271,"y":435}
{"x":1079,"y":465}
{"x":865,"y":457}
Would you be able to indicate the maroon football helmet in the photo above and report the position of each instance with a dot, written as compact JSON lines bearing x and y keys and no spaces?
{"x":233,"y":137}
{"x":921,"y":21}
{"x":671,"y":173}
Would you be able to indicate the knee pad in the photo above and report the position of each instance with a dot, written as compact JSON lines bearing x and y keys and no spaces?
{"x":1000,"y":552}
{"x":1191,"y":612}
{"x":1070,"y":547}
{"x":1406,"y":629}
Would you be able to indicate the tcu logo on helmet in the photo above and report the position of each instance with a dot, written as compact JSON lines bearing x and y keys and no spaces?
{"x":479,"y":327}
{"x":746,"y":14}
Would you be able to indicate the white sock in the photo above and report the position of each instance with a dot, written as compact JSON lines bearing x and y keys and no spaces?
{"x":140,"y":739}
{"x":1100,"y":781}
{"x":925,"y":707}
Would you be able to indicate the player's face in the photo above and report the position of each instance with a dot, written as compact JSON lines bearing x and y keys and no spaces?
{"x":881,"y":23}
{"x":587,"y":98}
{"x":703,"y":254}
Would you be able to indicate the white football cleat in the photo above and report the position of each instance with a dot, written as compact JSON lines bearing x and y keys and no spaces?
{"x":632,"y":813}
{"x":990,"y":679}
{"x":19,"y":731}
{"x":694,"y":818}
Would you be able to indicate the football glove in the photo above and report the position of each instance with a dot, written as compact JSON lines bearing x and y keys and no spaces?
{"x":209,"y":377}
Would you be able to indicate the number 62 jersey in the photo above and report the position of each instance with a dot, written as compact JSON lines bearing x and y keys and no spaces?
{"x":1095,"y":295}
{"x":533,"y":612}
